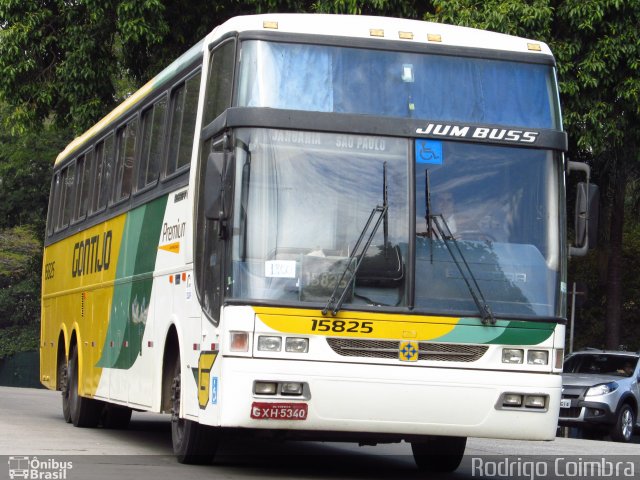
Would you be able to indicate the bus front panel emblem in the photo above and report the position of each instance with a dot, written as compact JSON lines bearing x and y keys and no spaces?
{"x":408,"y":351}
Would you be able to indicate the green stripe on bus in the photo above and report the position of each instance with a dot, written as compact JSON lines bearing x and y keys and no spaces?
{"x":503,"y":332}
{"x":131,"y":298}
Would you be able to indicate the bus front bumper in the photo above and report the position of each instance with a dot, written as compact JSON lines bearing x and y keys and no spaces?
{"x":383,"y":399}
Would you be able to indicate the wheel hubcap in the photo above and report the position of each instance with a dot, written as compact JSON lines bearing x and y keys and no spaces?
{"x":627,"y":424}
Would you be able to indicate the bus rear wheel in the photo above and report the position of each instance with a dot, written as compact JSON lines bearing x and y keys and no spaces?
{"x":435,"y":454}
{"x":84,"y":412}
{"x":63,"y":382}
{"x":193,"y":443}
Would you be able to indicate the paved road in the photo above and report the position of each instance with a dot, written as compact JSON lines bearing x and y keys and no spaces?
{"x":31,"y":425}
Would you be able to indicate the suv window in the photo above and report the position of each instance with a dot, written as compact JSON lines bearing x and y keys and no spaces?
{"x":601,"y":364}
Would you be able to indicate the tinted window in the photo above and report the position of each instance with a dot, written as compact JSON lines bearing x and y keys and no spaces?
{"x":54,"y":201}
{"x":184,"y":103}
{"x":124,"y":160}
{"x":220,"y":80}
{"x":102,"y":174}
{"x":83,"y":175}
{"x":65,"y":206}
{"x":153,"y":120}
{"x":601,"y":364}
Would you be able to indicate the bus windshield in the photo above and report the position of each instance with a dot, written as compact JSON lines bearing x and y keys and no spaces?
{"x":397,"y":84}
{"x":303,"y":199}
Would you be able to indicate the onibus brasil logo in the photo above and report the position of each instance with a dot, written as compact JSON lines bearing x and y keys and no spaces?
{"x":33,"y":468}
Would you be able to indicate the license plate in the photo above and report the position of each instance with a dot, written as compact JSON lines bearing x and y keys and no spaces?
{"x":279,"y":411}
{"x":565,"y":403}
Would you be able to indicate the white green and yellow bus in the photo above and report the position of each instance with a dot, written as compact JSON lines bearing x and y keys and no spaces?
{"x":326,"y":227}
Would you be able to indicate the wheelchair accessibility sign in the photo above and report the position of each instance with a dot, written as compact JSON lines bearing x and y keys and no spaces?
{"x":428,"y":151}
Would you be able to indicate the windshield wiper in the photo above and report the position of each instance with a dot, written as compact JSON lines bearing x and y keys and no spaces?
{"x":382,"y":210}
{"x":447,"y":236}
{"x":443,"y":230}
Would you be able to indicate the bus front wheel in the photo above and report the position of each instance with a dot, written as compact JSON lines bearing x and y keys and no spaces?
{"x":438,"y":454}
{"x":193,"y":443}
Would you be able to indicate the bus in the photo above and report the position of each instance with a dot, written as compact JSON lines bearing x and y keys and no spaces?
{"x":343,"y":228}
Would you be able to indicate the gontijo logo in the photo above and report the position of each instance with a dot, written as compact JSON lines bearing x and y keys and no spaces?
{"x":33,"y":468}
{"x":92,"y":255}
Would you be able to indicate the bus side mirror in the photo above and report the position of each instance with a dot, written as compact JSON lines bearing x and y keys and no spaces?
{"x":213,"y":208}
{"x":586,"y":215}
{"x":586,"y":212}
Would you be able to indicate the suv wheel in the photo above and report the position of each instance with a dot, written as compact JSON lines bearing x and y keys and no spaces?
{"x":623,"y":428}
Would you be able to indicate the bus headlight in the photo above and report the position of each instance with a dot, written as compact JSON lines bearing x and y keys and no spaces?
{"x":512,"y":355}
{"x":269,"y":344}
{"x":296,"y":345}
{"x":538,"y":357}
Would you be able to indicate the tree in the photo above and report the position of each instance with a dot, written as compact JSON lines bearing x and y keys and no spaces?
{"x":26,"y":163}
{"x":63,"y":61}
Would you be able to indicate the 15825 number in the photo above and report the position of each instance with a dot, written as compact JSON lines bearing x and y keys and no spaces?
{"x":339,"y":326}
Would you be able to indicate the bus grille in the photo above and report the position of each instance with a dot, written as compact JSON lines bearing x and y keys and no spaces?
{"x":438,"y":352}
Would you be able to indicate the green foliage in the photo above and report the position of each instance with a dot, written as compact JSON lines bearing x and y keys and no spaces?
{"x":26,"y":163}
{"x":16,"y":339}
{"x":598,"y":53}
{"x":20,"y":266}
{"x":514,"y":17}
{"x":56,"y":62}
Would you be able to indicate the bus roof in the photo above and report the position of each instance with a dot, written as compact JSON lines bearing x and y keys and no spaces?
{"x":384,"y":28}
{"x":354,"y":26}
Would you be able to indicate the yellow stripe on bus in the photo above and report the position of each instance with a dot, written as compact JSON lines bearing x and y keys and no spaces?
{"x":82,"y":296}
{"x":355,"y":324}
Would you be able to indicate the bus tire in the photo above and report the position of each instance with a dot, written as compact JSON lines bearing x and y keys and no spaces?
{"x":436,"y":454}
{"x":84,"y":412}
{"x":63,"y":381}
{"x":193,"y":443}
{"x":115,"y":417}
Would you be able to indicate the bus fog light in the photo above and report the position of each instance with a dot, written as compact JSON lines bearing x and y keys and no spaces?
{"x":512,"y":355}
{"x":535,"y":401}
{"x":265,"y":388}
{"x":512,"y":400}
{"x":296,"y":345}
{"x":291,"y":388}
{"x":538,"y":357}
{"x":239,"y":341}
{"x":269,"y":344}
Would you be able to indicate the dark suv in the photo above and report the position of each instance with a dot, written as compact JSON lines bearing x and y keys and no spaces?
{"x":600,"y":393}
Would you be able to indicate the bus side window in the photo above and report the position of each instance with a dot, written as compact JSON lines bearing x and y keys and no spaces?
{"x":67,"y":179}
{"x":54,"y":201}
{"x":83,"y":173}
{"x":125,"y":158}
{"x":184,"y":103}
{"x":153,"y":120}
{"x":220,"y":81}
{"x":102,"y":174}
